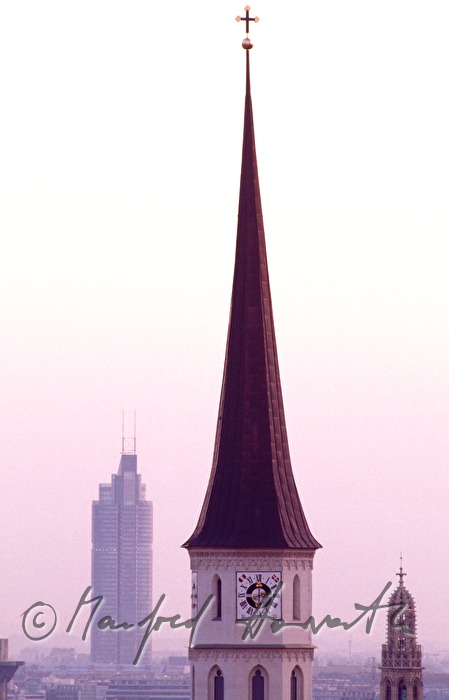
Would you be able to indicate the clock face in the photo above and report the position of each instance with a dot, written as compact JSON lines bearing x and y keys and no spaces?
{"x":256,"y":592}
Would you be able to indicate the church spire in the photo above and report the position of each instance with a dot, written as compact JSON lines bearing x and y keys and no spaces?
{"x":251,"y":500}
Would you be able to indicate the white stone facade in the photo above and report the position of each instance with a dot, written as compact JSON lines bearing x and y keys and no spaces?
{"x":282,"y":658}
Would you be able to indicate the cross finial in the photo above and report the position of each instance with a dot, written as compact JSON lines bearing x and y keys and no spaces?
{"x":247,"y":43}
{"x":401,"y":573}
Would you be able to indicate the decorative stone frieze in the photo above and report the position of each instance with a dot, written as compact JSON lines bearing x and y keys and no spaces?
{"x":250,"y":654}
{"x":224,"y":560}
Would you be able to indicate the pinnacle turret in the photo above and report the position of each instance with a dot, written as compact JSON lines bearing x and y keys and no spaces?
{"x":401,"y":655}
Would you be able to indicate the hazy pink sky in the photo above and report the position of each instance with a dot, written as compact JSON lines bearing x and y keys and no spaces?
{"x":120,"y":140}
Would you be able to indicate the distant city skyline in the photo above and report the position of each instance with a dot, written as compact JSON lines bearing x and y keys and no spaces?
{"x":121,"y":148}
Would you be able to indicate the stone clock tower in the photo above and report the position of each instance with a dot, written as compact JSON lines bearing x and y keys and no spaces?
{"x":252,"y":549}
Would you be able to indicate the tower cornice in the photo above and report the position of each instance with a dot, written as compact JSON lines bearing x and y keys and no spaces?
{"x":224,"y":559}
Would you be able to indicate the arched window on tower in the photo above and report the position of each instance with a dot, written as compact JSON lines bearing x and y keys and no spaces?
{"x":296,"y":684}
{"x":293,"y":687}
{"x":296,"y":598}
{"x":218,"y":685}
{"x":415,"y":690}
{"x":258,"y":685}
{"x":402,"y":690}
{"x":388,"y":690}
{"x":216,"y":590}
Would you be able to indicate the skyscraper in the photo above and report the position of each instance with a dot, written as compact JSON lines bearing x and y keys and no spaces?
{"x":252,"y":548}
{"x":122,"y":535}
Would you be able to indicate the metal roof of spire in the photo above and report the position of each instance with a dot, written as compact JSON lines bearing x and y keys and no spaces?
{"x":251,"y":500}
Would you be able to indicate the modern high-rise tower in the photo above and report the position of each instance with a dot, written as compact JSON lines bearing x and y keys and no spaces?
{"x":122,"y":535}
{"x":252,"y":548}
{"x":401,"y":667}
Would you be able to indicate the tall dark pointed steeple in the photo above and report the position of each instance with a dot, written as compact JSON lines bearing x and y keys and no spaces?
{"x":251,"y":500}
{"x":252,"y":538}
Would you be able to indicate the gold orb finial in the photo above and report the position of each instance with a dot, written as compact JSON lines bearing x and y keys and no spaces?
{"x":247,"y":43}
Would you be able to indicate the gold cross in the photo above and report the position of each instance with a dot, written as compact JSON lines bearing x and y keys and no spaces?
{"x":247,"y":19}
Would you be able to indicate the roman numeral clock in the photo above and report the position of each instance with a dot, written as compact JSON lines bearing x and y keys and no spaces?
{"x":258,"y":593}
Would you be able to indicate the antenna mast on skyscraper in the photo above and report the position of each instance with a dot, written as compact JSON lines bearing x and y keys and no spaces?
{"x":129,"y":444}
